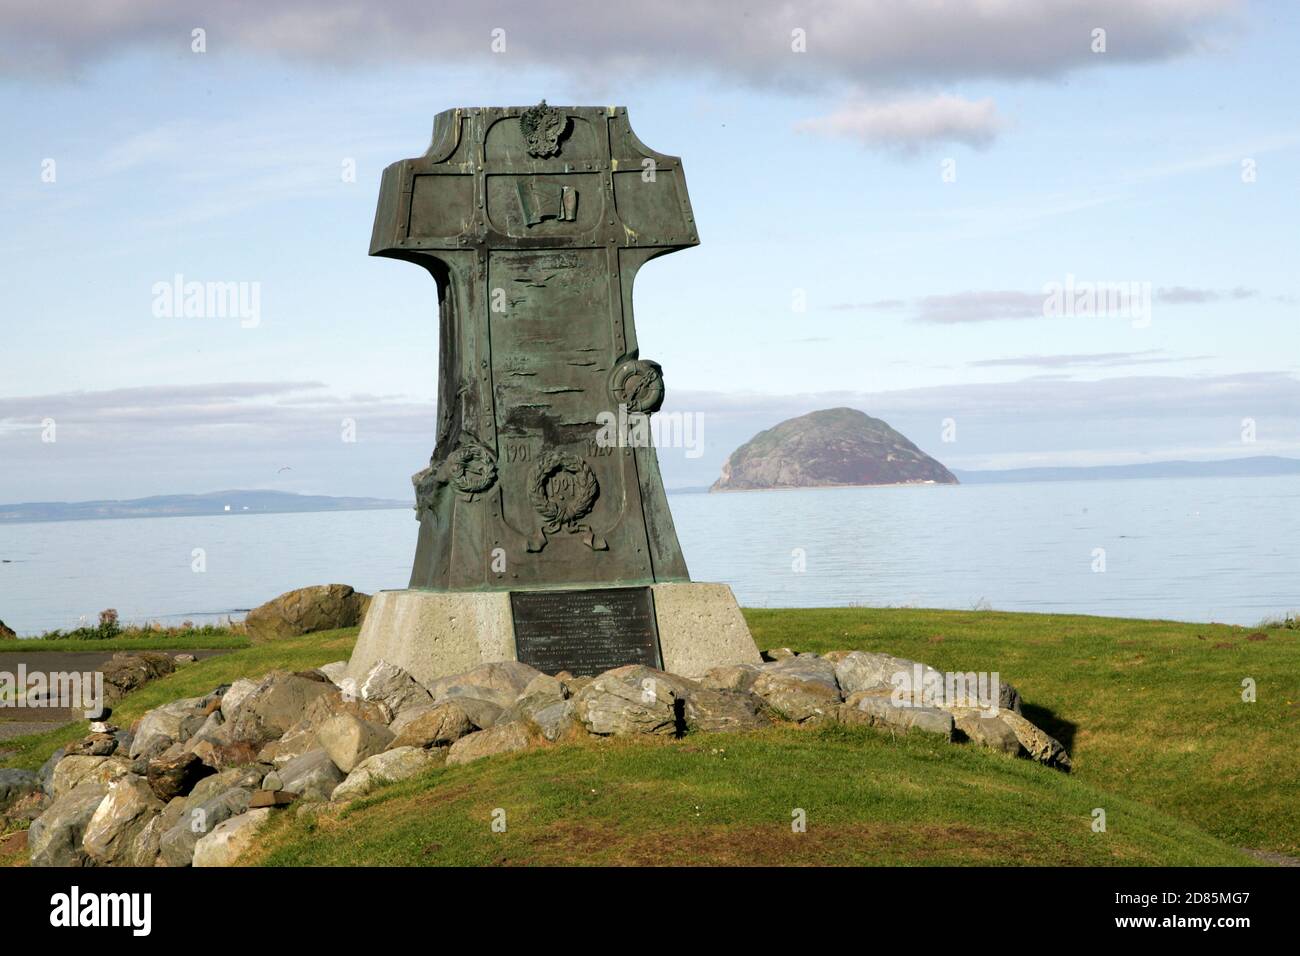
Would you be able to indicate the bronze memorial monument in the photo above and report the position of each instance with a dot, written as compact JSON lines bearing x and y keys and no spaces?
{"x":540,"y":539}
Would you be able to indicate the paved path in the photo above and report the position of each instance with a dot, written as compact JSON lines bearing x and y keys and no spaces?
{"x":18,"y":721}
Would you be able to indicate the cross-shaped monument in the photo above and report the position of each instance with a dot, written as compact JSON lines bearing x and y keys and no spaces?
{"x":542,"y":537}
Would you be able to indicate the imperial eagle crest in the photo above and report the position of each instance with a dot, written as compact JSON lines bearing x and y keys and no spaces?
{"x":542,"y":127}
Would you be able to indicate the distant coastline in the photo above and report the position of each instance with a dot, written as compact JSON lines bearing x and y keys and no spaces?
{"x":1260,"y":466}
{"x":213,"y":503}
{"x":217,"y":503}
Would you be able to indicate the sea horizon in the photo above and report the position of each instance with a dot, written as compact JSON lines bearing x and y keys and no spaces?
{"x":1184,"y":549}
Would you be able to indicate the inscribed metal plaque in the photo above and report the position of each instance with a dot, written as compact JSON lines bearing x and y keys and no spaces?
{"x":585,"y":632}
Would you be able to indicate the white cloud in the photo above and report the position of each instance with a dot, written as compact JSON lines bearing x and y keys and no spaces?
{"x":126,"y":443}
{"x":1149,"y":397}
{"x":993,"y":305}
{"x":909,"y":124}
{"x":1181,"y":295}
{"x":979,"y":306}
{"x":873,"y":43}
{"x":1091,"y":359}
{"x":247,"y":412}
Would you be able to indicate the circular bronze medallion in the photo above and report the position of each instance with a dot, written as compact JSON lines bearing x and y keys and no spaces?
{"x":638,"y":384}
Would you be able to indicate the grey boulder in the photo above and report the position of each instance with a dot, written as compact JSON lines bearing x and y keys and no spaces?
{"x":322,"y":607}
{"x":393,"y":689}
{"x":74,"y":770}
{"x":127,"y":808}
{"x":400,"y":763}
{"x":548,"y":711}
{"x":144,"y":849}
{"x":175,"y":775}
{"x":278,"y":702}
{"x":1040,"y":745}
{"x":865,"y":670}
{"x":130,"y":670}
{"x":731,"y":677}
{"x":554,"y":718}
{"x":94,"y":745}
{"x":481,"y":713}
{"x":503,"y":738}
{"x":46,"y":773}
{"x":235,"y":695}
{"x":16,"y":784}
{"x":545,"y":684}
{"x":436,"y":726}
{"x":801,"y":688}
{"x":171,"y":723}
{"x":633,"y":700}
{"x":497,"y":697}
{"x":336,"y":671}
{"x":509,"y":678}
{"x":301,"y":737}
{"x":349,"y":740}
{"x":987,"y":731}
{"x":176,"y":846}
{"x":54,"y":838}
{"x":879,"y":711}
{"x":722,"y":711}
{"x":313,"y":776}
{"x":230,"y":839}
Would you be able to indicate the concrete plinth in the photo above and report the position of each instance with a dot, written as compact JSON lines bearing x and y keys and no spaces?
{"x":700,"y":626}
{"x":435,"y":633}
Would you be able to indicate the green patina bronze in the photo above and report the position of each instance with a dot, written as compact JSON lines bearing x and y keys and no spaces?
{"x":534,"y":222}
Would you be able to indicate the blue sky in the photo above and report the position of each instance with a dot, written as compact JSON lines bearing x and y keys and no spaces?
{"x":816,"y":176}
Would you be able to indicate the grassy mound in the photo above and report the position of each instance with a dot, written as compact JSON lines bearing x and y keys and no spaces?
{"x":869,"y":799}
{"x":1150,"y":710}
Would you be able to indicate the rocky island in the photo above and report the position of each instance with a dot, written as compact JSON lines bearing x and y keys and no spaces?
{"x":827,"y":448}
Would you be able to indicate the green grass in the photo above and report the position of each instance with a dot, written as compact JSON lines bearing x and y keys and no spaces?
{"x":1151,"y":711}
{"x":869,"y":799}
{"x":164,"y":642}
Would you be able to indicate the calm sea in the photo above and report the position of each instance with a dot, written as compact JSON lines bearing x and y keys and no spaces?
{"x":1197,"y":549}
